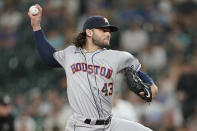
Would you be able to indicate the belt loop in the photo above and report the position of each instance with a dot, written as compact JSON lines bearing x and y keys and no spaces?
{"x":98,"y":122}
{"x":87,"y":121}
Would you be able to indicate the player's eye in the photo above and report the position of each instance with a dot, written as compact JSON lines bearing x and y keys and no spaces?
{"x":105,"y":29}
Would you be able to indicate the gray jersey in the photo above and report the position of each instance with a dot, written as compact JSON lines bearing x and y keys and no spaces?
{"x":90,"y":78}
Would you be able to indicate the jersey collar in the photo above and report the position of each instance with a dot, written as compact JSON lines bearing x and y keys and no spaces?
{"x":83,"y":50}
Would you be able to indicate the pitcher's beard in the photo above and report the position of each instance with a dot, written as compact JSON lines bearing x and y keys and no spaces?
{"x":100,"y":44}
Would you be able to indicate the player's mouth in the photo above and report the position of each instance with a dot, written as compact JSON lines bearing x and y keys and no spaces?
{"x":108,"y":38}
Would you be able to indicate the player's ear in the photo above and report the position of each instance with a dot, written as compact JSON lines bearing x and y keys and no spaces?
{"x":89,"y":32}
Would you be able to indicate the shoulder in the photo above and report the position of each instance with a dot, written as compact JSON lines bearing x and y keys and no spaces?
{"x":119,"y":53}
{"x":70,"y":48}
{"x":64,"y":52}
{"x":116,"y":51}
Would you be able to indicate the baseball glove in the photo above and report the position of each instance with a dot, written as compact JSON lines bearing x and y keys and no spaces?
{"x":137,"y":85}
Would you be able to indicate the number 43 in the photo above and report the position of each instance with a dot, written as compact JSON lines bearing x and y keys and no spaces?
{"x":107,"y":89}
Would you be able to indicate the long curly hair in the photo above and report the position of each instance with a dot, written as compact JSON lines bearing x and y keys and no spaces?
{"x":80,"y":40}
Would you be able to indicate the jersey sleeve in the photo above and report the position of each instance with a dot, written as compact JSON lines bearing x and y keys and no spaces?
{"x":60,"y":56}
{"x":45,"y":49}
{"x":128,"y":60}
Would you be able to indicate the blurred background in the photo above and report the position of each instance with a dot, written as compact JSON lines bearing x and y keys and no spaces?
{"x":162,"y":34}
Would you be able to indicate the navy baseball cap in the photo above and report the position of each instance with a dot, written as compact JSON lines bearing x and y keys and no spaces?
{"x":98,"y":22}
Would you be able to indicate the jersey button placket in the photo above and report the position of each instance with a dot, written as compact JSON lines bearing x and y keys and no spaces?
{"x":91,"y":75}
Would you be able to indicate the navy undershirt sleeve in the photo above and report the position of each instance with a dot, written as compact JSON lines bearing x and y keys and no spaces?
{"x":145,"y":78}
{"x":45,"y":50}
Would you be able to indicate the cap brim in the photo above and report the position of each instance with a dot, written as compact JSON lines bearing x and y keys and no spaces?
{"x":111,"y":27}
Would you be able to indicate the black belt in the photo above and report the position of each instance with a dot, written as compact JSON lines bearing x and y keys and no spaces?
{"x":99,"y":122}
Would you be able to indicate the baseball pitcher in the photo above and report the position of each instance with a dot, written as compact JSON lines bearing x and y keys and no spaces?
{"x":91,"y":70}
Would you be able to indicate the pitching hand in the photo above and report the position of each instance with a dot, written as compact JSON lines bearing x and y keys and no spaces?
{"x":36,"y":19}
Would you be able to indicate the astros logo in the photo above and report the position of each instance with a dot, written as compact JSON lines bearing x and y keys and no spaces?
{"x":106,"y":21}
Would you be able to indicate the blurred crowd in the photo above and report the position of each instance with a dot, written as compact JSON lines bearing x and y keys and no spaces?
{"x":162,"y":34}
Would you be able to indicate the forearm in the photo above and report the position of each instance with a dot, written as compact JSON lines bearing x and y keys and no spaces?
{"x":36,"y":28}
{"x":45,"y":50}
{"x":145,"y":77}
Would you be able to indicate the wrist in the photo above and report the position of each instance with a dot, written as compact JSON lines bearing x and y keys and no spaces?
{"x":154,"y":90}
{"x":36,"y":28}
